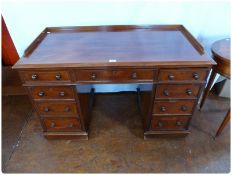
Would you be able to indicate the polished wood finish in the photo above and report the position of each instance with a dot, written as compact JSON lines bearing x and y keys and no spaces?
{"x":126,"y":46}
{"x":9,"y":53}
{"x":156,"y":58}
{"x":221,"y":54}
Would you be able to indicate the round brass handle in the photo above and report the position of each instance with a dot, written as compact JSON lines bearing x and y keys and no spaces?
{"x":46,"y":109}
{"x":195,"y":76}
{"x":184,"y":108}
{"x":171,"y":77}
{"x":70,"y":125}
{"x":166,"y":92}
{"x":93,"y":76}
{"x":189,"y":92}
{"x":160,"y":124}
{"x":66,"y":109}
{"x":134,"y":75}
{"x":178,"y":123}
{"x":41,"y":94}
{"x":163,"y":109}
{"x":53,"y":124}
{"x":58,"y":77}
{"x":34,"y":77}
{"x":62,"y":94}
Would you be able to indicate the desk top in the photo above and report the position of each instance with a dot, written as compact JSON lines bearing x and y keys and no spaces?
{"x":114,"y":46}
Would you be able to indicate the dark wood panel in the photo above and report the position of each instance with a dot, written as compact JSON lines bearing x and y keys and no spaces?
{"x":9,"y":53}
{"x":177,"y":91}
{"x":181,"y":107}
{"x":169,"y":123}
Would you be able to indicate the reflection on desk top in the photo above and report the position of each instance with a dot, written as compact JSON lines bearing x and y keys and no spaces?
{"x":114,"y":46}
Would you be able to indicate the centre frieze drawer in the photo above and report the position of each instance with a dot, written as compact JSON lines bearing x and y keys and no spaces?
{"x":181,"y":107}
{"x":115,"y":75}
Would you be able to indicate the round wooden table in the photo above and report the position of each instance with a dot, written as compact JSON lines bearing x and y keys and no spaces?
{"x":221,"y":54}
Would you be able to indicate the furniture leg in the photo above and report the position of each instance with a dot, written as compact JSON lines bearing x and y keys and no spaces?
{"x":223,"y":124}
{"x":206,"y":92}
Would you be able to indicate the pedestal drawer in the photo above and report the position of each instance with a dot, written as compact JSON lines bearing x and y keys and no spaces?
{"x":169,"y":123}
{"x":52,"y":92}
{"x":181,"y":107}
{"x":56,"y":108}
{"x":194,"y":75}
{"x":62,"y":124}
{"x":177,"y":91}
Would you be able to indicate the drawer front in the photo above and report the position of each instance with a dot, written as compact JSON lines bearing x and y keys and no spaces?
{"x":134,"y":75}
{"x":54,"y":92}
{"x":116,"y":75}
{"x":62,"y":124}
{"x":164,"y":91}
{"x":61,"y":108}
{"x":93,"y":75}
{"x":37,"y":76}
{"x":182,"y":107}
{"x":173,"y":75}
{"x":169,"y":123}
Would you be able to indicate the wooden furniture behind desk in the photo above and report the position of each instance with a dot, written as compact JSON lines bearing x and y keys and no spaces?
{"x":165,"y":56}
{"x":221,"y":54}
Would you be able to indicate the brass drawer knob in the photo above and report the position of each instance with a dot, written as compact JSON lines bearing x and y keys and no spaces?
{"x":34,"y":77}
{"x":70,"y":125}
{"x":134,"y":75}
{"x":195,"y":76}
{"x":62,"y":94}
{"x":66,"y":109}
{"x":166,"y":92}
{"x":184,"y":108}
{"x":160,"y":124}
{"x":171,"y":77}
{"x":41,"y":94}
{"x":163,"y":108}
{"x":93,"y":76}
{"x":178,"y":123}
{"x":52,"y":125}
{"x":58,"y":77}
{"x":46,"y":109}
{"x":189,"y":92}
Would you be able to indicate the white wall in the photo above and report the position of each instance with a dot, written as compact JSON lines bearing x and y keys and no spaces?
{"x":207,"y":21}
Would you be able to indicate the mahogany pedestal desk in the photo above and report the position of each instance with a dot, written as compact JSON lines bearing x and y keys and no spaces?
{"x":166,"y":63}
